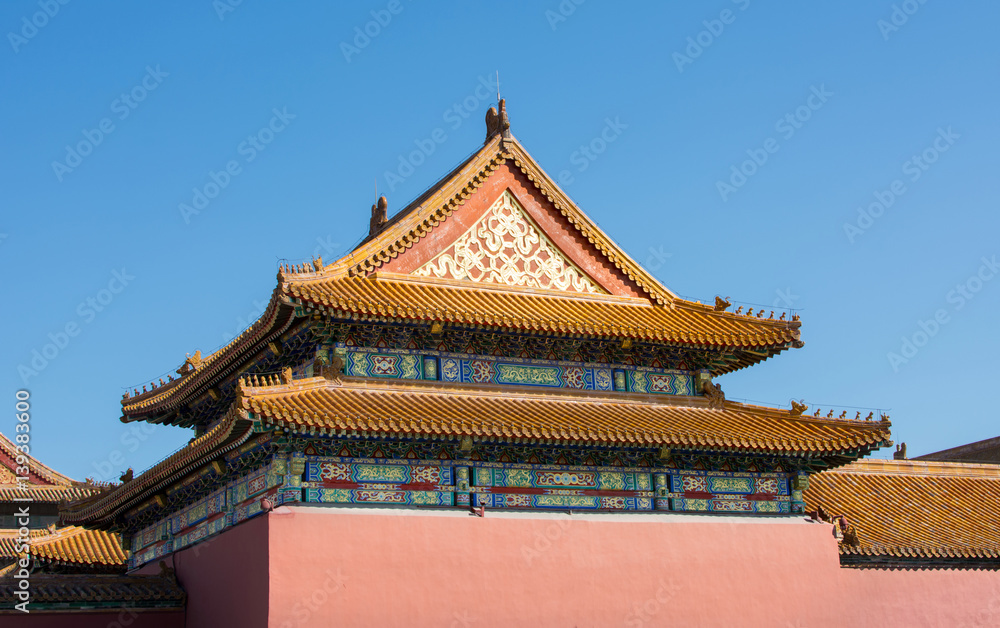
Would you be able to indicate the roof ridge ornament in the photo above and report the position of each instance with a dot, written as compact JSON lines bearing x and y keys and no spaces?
{"x":379,"y":219}
{"x":191,"y":363}
{"x":713,"y":392}
{"x":497,"y":122}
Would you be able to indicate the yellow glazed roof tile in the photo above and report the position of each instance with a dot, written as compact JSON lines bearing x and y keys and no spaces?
{"x":424,"y":408}
{"x":385,"y":295}
{"x":67,"y":545}
{"x":357,"y":285}
{"x":906,"y":508}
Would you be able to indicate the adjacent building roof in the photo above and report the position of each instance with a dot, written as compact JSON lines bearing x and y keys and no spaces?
{"x":9,"y":542}
{"x":359,"y":286}
{"x":66,"y":546}
{"x":74,"y":545}
{"x":914,"y":513}
{"x":417,"y":408}
{"x":985,"y":451}
{"x":43,"y":486}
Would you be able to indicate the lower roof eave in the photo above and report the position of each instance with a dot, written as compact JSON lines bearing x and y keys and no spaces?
{"x":823,"y":460}
{"x":100,"y":513}
{"x":859,"y":560}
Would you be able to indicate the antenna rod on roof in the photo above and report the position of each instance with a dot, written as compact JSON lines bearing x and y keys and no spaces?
{"x":498,"y":87}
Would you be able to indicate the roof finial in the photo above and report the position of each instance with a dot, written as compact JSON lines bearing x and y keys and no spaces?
{"x":900,"y":453}
{"x":497,"y":122}
{"x":379,"y":219}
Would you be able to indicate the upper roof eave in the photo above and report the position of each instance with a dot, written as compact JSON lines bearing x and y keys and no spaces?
{"x":277,"y":317}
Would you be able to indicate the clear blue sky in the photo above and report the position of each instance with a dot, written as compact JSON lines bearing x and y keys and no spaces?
{"x":865,"y":100}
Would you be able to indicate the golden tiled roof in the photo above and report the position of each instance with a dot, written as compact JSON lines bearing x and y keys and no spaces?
{"x":9,"y":541}
{"x":277,"y":317}
{"x":47,"y":494}
{"x":906,"y":510}
{"x":984,"y":451}
{"x":356,"y":286}
{"x":227,"y":435}
{"x":77,"y":545}
{"x":400,"y":407}
{"x":385,"y":295}
{"x":69,"y":545}
{"x":44,"y":484}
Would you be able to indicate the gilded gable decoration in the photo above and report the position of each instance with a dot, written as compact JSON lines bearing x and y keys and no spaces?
{"x":506,"y":247}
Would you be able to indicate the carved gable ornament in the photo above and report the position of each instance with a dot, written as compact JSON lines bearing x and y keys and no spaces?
{"x":6,"y":476}
{"x":506,"y":247}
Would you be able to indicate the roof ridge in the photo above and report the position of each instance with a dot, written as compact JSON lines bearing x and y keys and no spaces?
{"x":41,"y":470}
{"x":919,"y":468}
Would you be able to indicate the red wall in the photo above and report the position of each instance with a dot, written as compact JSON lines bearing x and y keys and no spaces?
{"x":225,"y":577}
{"x":359,"y":567}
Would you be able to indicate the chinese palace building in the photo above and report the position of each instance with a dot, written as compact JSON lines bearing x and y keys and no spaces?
{"x":488,"y":414}
{"x":76,"y":576}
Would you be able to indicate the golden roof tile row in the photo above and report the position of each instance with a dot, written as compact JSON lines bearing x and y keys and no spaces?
{"x":419,"y":218}
{"x":77,"y":545}
{"x":10,"y":540}
{"x":198,"y":371}
{"x":426,"y":409}
{"x":914,"y":510}
{"x":385,"y":295}
{"x":230,"y":433}
{"x":47,"y":494}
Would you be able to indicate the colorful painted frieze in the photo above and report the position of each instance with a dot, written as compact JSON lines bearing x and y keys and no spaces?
{"x":664,"y":383}
{"x":386,"y":365}
{"x":341,"y":470}
{"x":562,"y":502}
{"x":379,"y":495}
{"x":348,"y":481}
{"x":590,"y":489}
{"x":483,"y":369}
{"x":442,"y":483}
{"x":729,"y":492}
{"x":255,"y":483}
{"x":200,"y":532}
{"x":526,"y":477}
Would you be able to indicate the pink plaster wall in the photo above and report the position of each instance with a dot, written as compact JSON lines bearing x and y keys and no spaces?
{"x":362,"y":568}
{"x":225,"y":577}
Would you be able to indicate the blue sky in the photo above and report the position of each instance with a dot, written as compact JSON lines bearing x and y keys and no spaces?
{"x":746,"y":136}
